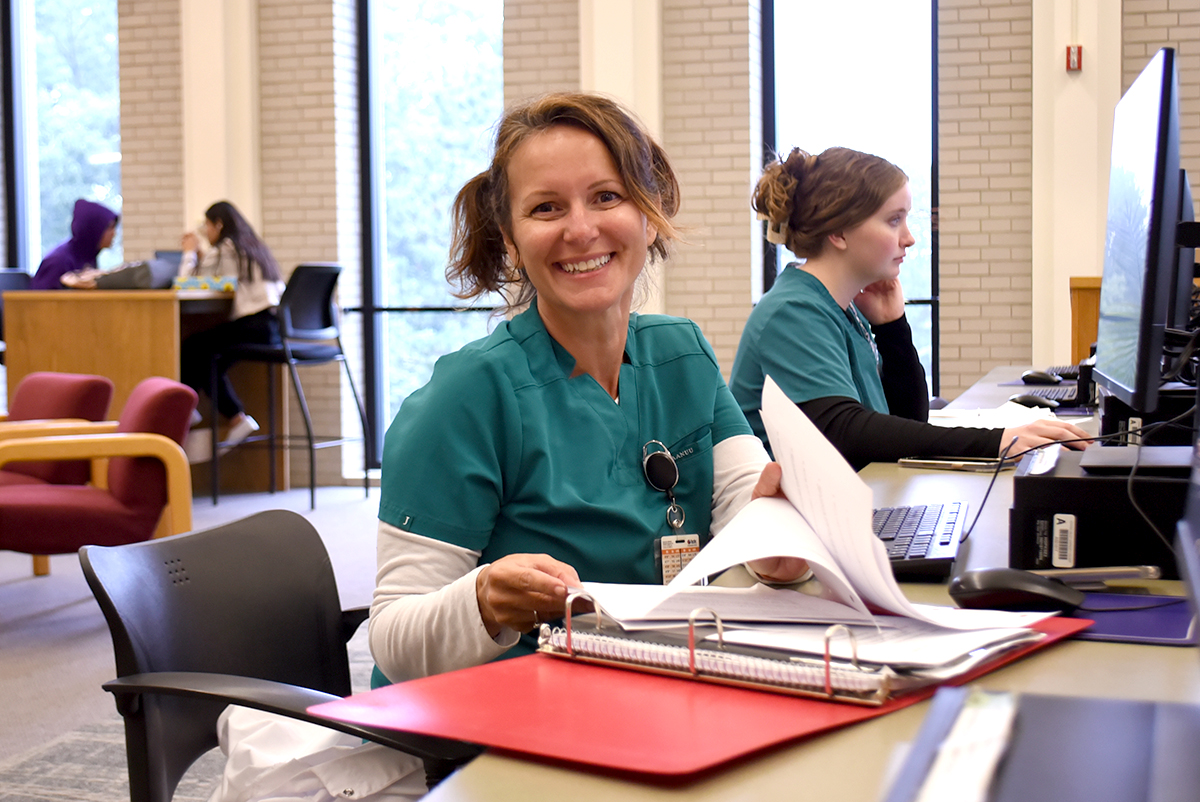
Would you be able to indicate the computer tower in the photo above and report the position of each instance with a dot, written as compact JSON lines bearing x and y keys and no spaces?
{"x":1173,"y":402}
{"x":1068,"y":518}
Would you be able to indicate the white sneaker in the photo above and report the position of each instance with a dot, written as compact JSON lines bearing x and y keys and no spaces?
{"x":243,"y":427}
{"x":196,"y":418}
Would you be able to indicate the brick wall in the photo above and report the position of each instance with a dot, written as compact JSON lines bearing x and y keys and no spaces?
{"x":151,"y":124}
{"x":541,"y":47}
{"x":310,"y":175}
{"x":711,"y":125}
{"x":1148,"y":25}
{"x":985,"y":160}
{"x":712,"y":131}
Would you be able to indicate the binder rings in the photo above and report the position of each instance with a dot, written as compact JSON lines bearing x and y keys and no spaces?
{"x":654,"y":727}
{"x":685,"y":653}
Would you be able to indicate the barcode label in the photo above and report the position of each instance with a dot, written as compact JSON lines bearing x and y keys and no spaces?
{"x":1063,"y":553}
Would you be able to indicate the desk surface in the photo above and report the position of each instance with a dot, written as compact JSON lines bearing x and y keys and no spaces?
{"x":851,"y":764}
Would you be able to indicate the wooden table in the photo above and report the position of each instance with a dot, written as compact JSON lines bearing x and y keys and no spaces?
{"x":1085,"y":315}
{"x":128,"y":336}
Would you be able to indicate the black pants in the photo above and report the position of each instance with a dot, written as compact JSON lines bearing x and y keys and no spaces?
{"x":200,"y":349}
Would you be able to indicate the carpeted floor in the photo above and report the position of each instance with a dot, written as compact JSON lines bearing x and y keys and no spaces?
{"x":88,"y":764}
{"x":60,"y":735}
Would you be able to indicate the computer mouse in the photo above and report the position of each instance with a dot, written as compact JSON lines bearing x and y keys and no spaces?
{"x":1031,"y":400}
{"x":1040,"y":377}
{"x":1012,"y":589}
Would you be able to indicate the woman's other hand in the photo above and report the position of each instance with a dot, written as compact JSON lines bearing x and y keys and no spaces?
{"x":520,"y":590}
{"x":190,"y":242}
{"x":881,"y":302}
{"x":777,"y":570}
{"x":1041,"y":432}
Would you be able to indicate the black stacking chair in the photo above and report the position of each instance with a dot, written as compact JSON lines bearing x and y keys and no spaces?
{"x":11,"y":278}
{"x":309,"y":324}
{"x":244,"y":613}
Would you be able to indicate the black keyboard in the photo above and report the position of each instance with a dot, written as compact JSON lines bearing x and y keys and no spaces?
{"x":921,"y":540}
{"x":1067,"y":395}
{"x":1066,"y":371}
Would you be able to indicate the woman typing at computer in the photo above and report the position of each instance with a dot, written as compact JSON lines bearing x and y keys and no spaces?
{"x":832,"y":331}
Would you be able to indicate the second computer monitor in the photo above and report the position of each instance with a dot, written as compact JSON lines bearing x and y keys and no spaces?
{"x":1140,"y":257}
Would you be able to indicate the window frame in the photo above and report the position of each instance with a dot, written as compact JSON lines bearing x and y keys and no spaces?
{"x":770,"y":252}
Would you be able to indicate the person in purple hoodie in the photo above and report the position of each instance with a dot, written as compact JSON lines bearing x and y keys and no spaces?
{"x":92,"y":230}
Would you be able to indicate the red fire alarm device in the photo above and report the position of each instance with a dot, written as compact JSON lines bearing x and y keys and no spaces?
{"x":1074,"y":58}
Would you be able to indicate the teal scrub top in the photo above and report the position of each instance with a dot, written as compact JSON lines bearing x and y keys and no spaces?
{"x":503,"y":452}
{"x":810,"y":346}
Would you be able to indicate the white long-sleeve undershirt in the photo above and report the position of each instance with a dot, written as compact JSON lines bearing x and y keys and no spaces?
{"x":425,"y":616}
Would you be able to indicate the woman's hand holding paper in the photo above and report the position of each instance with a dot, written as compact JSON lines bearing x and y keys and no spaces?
{"x":776,"y":570}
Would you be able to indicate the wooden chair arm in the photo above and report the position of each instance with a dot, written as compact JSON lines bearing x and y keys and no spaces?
{"x":115,"y":444}
{"x":54,"y":426}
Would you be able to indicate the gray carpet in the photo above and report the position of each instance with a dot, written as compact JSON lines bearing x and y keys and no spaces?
{"x":60,"y":735}
{"x":88,"y":764}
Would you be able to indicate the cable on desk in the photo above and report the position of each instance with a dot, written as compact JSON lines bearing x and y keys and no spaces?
{"x":999,"y":466}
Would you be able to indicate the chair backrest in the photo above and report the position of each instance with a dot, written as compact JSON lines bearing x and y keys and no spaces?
{"x":59,"y":395}
{"x":256,"y":598}
{"x":307,"y":310}
{"x":156,"y":406}
{"x":11,"y":278}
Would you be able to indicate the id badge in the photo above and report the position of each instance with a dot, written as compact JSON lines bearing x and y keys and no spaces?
{"x":673,"y":552}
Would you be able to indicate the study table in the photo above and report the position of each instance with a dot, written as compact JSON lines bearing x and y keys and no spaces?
{"x":851,"y":764}
{"x":128,"y":336}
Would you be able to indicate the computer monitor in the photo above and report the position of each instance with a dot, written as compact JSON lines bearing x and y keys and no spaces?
{"x":1140,"y":258}
{"x":1180,"y":303}
{"x":1187,"y":536}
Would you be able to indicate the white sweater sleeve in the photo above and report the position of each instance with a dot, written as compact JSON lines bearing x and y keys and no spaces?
{"x":424,"y":615}
{"x":737,"y":463}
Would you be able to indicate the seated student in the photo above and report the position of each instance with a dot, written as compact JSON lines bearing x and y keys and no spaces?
{"x":92,"y":230}
{"x":236,"y":251}
{"x":518,"y":469}
{"x":832,"y":333}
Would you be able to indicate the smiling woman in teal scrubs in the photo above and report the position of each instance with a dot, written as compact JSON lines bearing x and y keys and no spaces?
{"x":517,"y":471}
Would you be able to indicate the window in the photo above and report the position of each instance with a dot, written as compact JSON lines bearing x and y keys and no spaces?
{"x":861,"y":74}
{"x":63,"y":128}
{"x":435,"y":92}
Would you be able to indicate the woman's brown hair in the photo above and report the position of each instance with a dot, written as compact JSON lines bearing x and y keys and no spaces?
{"x":482,"y":214}
{"x":805,"y":198}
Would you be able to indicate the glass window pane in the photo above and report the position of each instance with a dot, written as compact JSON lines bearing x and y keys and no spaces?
{"x":416,"y":341}
{"x":442,"y":92}
{"x":881,"y":102}
{"x":78,"y":144}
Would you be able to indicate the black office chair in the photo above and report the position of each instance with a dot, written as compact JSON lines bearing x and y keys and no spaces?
{"x":11,"y":278}
{"x":309,"y":323}
{"x":244,"y":613}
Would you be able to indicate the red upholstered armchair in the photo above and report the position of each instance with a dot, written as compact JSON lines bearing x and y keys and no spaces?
{"x":54,"y":403}
{"x":147,"y":484}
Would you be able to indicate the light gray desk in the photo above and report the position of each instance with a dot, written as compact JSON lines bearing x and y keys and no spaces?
{"x":849,"y":765}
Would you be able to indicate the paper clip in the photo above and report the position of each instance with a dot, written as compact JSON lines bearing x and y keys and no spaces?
{"x":692,"y":635}
{"x":829,"y":633}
